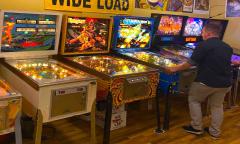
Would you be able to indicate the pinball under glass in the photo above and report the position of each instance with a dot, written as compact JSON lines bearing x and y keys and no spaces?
{"x":46,"y":70}
{"x":109,"y":65}
{"x":185,"y":52}
{"x":162,"y":60}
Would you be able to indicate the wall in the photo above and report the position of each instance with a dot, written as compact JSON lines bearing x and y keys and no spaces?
{"x":232,"y":35}
{"x":217,"y":6}
{"x":38,"y":5}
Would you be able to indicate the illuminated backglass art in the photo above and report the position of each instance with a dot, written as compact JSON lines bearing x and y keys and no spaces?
{"x":134,"y":33}
{"x":193,"y":27}
{"x":86,"y":35}
{"x":28,"y":32}
{"x":170,"y":25}
{"x":235,"y":58}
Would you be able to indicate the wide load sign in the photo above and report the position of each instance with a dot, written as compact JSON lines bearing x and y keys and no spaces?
{"x":99,"y":6}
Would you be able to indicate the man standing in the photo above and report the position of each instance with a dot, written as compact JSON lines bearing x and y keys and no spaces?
{"x":214,"y":78}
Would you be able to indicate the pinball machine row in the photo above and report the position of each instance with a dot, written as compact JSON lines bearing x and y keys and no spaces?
{"x":171,"y":40}
{"x":85,"y":45}
{"x":90,"y":38}
{"x":51,"y":90}
{"x":161,"y":43}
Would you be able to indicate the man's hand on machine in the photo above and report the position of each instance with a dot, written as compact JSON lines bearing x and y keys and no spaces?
{"x":235,"y":62}
{"x":170,"y":70}
{"x":179,"y":67}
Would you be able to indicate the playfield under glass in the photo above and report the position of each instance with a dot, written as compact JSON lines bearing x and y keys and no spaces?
{"x":110,"y":65}
{"x":46,"y":70}
{"x":162,"y":59}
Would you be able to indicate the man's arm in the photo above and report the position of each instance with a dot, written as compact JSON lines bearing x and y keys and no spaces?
{"x":197,"y":57}
{"x":235,"y":62}
{"x":180,"y":67}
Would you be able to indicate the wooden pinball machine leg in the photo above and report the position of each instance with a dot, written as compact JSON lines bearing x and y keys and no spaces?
{"x":229,"y":98}
{"x":167,"y":107}
{"x":38,"y":127}
{"x":159,"y":129}
{"x":236,"y":99}
{"x":235,"y":89}
{"x":93,"y":123}
{"x":18,"y":129}
{"x":108,"y":116}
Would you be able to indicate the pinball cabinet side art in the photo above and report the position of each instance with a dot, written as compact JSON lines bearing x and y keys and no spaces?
{"x":10,"y":111}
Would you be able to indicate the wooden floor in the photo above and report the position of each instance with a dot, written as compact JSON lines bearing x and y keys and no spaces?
{"x":140,"y":128}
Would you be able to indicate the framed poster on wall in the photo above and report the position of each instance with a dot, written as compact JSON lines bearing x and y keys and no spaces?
{"x":188,"y":5}
{"x":152,"y":4}
{"x":232,"y":8}
{"x":201,"y":6}
{"x":161,"y":5}
{"x":175,"y":5}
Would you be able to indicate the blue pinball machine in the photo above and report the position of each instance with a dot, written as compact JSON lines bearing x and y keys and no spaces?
{"x":132,"y":39}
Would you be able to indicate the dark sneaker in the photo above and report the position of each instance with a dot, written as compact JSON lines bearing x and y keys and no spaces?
{"x":206,"y":129}
{"x":191,"y":130}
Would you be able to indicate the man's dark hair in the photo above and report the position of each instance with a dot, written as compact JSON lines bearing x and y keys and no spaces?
{"x":213,"y":27}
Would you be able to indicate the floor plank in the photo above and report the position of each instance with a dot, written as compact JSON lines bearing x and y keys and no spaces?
{"x":141,"y":125}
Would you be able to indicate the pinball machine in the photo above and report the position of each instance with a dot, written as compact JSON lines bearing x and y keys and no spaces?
{"x":191,"y":38}
{"x":170,"y":41}
{"x":233,"y":99}
{"x":182,"y":40}
{"x":191,"y":35}
{"x":85,"y":46}
{"x":51,"y":90}
{"x":132,"y":39}
{"x":140,"y":31}
{"x":193,"y":30}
